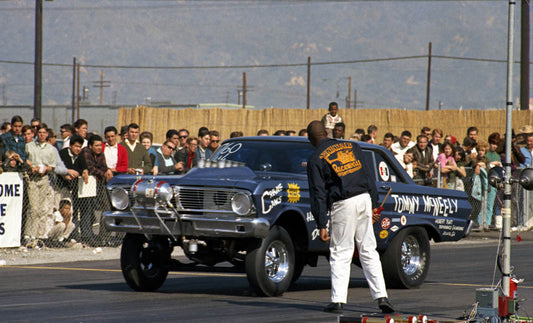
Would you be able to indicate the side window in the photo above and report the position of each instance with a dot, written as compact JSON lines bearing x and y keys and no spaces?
{"x":385,"y":171}
{"x":369,"y":160}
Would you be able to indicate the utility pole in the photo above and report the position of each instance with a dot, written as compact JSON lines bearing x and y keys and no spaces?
{"x":348,"y":99}
{"x":428,"y":86}
{"x":74,"y":90}
{"x":37,"y":86}
{"x":524,"y":55}
{"x":308,"y":82}
{"x":4,"y":98}
{"x":101,"y":84}
{"x":244,"y":90}
{"x":355,"y":99}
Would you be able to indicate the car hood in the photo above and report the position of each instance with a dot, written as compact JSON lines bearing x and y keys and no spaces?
{"x":232,"y":177}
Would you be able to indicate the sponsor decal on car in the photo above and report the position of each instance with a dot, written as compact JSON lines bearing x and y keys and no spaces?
{"x":273,"y":196}
{"x":293,"y":193}
{"x":383,"y":234}
{"x":385,"y":223}
{"x":403,"y":220}
{"x":384,"y":173}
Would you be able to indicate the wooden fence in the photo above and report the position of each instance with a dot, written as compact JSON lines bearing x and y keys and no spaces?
{"x":159,"y":120}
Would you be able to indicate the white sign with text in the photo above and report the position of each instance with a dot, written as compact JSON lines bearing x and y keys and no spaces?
{"x":11,"y":191}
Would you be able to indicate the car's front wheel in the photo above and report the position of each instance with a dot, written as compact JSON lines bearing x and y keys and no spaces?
{"x":406,"y":260}
{"x":270,"y":265}
{"x":145,"y":263}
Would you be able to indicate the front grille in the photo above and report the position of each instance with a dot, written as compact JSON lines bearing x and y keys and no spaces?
{"x":203,"y":199}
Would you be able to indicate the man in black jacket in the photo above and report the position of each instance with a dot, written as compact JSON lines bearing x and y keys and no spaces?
{"x":76,"y":165}
{"x":339,"y":182}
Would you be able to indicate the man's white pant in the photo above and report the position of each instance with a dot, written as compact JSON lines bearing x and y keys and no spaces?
{"x":353,"y":218}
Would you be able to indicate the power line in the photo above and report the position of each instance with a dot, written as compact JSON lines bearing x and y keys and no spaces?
{"x":209,"y":4}
{"x":375,"y":60}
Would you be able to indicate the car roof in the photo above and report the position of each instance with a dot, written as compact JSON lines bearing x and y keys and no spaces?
{"x":365,"y":145}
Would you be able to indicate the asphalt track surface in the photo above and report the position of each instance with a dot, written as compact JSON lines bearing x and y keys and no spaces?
{"x":94,"y":291}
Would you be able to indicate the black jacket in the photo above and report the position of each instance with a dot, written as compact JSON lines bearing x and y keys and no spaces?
{"x":79,"y":165}
{"x":337,"y":171}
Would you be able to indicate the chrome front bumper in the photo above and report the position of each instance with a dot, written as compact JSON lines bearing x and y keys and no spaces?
{"x":193,"y":226}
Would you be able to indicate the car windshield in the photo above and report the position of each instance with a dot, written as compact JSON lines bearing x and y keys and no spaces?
{"x":272,"y":156}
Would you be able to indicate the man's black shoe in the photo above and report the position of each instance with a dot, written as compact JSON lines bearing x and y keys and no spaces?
{"x":385,"y":305}
{"x":334,"y":308}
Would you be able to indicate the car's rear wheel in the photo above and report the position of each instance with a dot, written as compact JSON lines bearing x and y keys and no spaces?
{"x":406,"y":260}
{"x":270,"y":265}
{"x":145,"y":263}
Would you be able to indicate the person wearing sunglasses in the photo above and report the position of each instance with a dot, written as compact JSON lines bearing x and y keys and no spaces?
{"x":183,"y":135}
{"x":214,"y":143}
{"x":165,"y":159}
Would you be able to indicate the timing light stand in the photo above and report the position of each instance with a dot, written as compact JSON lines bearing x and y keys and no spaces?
{"x":489,"y":304}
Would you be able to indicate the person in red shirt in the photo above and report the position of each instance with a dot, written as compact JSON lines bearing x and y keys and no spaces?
{"x":116,"y":156}
{"x":186,"y":157}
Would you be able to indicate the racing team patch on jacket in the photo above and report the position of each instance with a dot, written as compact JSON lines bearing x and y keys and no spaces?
{"x":342,"y":159}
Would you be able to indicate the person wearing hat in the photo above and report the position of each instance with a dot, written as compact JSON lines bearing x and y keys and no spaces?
{"x":521,"y":136}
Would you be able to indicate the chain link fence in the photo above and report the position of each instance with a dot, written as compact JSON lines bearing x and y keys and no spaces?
{"x":487,"y":201}
{"x":56,"y":215}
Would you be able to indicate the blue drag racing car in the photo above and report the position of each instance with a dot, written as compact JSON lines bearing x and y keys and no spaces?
{"x":249,"y":205}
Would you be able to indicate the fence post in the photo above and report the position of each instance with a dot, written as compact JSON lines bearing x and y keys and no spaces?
{"x":438,"y":177}
{"x":484,"y":208}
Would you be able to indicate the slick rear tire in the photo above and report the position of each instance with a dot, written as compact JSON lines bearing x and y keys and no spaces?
{"x":270,"y":264}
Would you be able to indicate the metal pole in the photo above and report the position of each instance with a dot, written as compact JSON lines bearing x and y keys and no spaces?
{"x":524,"y":55}
{"x":506,"y":209}
{"x":101,"y":86}
{"x":355,"y":99}
{"x":428,"y":85}
{"x":78,"y":90}
{"x":484,"y":209}
{"x":349,"y":101}
{"x":37,"y":87}
{"x":74,"y":90}
{"x":308,"y":82}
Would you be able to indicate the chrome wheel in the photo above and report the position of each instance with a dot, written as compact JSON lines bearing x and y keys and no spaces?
{"x":410,"y":256}
{"x":276,"y":261}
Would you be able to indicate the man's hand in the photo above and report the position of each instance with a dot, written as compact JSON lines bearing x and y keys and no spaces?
{"x":108,"y":175}
{"x":72,"y":173}
{"x":85,"y":176}
{"x":375,"y":215}
{"x":324,"y":236}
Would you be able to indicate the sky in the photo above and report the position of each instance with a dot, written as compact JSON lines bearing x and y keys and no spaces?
{"x":192,"y":52}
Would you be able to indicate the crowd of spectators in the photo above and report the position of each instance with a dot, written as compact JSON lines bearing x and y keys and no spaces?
{"x":58,"y":174}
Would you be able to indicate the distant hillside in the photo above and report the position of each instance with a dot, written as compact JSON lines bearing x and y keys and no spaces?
{"x":227,"y":33}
